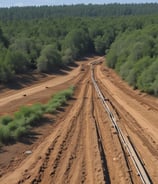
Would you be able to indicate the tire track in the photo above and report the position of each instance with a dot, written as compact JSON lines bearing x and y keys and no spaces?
{"x":63,"y":145}
{"x":34,"y":172}
{"x":100,"y":145}
{"x":125,"y":117}
{"x":82,"y":149}
{"x":149,"y":104}
{"x":76,"y":150}
{"x":92,"y":153}
{"x":111,"y":145}
{"x":131,"y":127}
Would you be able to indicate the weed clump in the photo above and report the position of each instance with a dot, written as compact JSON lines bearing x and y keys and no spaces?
{"x":13,"y":128}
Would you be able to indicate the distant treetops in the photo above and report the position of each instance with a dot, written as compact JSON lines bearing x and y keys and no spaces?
{"x":46,"y":39}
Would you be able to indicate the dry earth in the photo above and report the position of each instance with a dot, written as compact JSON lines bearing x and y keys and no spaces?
{"x":79,"y":145}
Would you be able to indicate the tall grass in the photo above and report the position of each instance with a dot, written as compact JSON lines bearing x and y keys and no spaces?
{"x":59,"y":100}
{"x":5,"y":134}
{"x":5,"y":120}
{"x":13,"y":128}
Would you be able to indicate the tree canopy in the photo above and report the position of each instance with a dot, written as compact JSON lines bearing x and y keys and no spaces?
{"x":80,"y":10}
{"x":46,"y":39}
{"x":134,"y":55}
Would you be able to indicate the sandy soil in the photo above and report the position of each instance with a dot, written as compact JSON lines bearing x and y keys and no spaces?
{"x":79,"y":145}
{"x":137,"y":116}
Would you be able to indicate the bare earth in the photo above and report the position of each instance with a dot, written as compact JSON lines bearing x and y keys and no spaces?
{"x":79,"y":145}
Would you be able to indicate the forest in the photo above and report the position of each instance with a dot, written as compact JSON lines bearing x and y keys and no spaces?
{"x":80,"y":10}
{"x":43,"y":39}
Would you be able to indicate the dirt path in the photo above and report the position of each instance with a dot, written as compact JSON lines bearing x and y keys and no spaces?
{"x":70,"y":145}
{"x":137,"y":116}
{"x":29,"y":91}
{"x":83,"y":147}
{"x":11,"y":100}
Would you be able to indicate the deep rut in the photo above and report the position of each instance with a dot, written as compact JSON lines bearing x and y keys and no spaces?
{"x":131,"y":125}
{"x":84,"y":148}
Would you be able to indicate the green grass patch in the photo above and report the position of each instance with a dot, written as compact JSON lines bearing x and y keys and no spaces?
{"x":59,"y":100}
{"x":13,"y":128}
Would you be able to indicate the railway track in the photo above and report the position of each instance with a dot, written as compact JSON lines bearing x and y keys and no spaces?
{"x":125,"y":141}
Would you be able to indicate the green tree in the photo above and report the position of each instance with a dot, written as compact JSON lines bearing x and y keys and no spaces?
{"x":155,"y":86}
{"x":78,"y":41}
{"x":29,"y":47}
{"x":146,"y":81}
{"x":67,"y":57}
{"x":3,"y":40}
{"x":17,"y":60}
{"x":137,"y":69}
{"x":100,"y":45}
{"x":49,"y":59}
{"x":6,"y":71}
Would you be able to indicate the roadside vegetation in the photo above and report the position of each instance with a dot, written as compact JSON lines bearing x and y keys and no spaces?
{"x":134,"y":55}
{"x":12,"y":128}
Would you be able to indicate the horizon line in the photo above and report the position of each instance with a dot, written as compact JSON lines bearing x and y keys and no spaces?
{"x":52,"y":5}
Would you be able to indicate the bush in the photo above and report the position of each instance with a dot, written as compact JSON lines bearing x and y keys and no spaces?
{"x":19,"y":132}
{"x":59,"y":99}
{"x":137,"y":69}
{"x":5,"y":134}
{"x":49,"y":60}
{"x":5,"y":120}
{"x":67,"y":57}
{"x":155,"y":86}
{"x":30,"y":115}
{"x":27,"y":117}
{"x":147,"y":80}
{"x":134,"y":56}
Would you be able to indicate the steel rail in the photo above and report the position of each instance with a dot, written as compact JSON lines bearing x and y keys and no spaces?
{"x":125,"y":140}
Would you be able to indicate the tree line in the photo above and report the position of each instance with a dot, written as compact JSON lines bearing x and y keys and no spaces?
{"x":48,"y":44}
{"x":134,"y":55}
{"x":81,"y":10}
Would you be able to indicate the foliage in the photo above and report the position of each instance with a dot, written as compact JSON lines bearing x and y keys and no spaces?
{"x":78,"y":42}
{"x":49,"y":60}
{"x":6,"y":69}
{"x":67,"y":57}
{"x":47,"y":38}
{"x":17,"y":61}
{"x":148,"y":79}
{"x":58,"y":100}
{"x":106,"y":10}
{"x":13,"y":128}
{"x":134,"y":55}
{"x":29,"y":47}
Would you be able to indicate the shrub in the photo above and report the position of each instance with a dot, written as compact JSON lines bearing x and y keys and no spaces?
{"x":49,"y":60}
{"x":19,"y":132}
{"x":5,"y":120}
{"x":155,"y":86}
{"x":5,"y":134}
{"x":58,"y":100}
{"x":14,"y":128}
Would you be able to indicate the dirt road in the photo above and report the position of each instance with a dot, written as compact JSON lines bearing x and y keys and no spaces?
{"x":82,"y":146}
